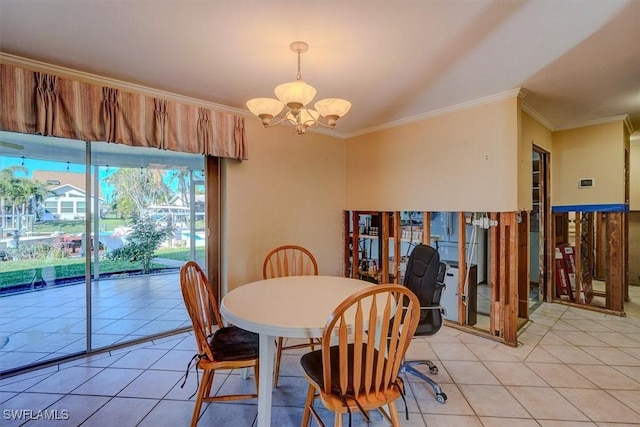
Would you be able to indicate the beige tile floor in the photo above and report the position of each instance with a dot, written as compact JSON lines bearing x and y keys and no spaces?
{"x":572,"y":368}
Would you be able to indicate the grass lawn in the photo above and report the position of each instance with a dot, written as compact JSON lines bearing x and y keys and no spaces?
{"x":75,"y":227}
{"x":27,"y":271}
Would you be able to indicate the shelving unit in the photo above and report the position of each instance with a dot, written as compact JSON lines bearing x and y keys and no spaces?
{"x":371,"y":245}
{"x":535,"y":211}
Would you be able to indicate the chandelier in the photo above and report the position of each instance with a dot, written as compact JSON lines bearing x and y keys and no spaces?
{"x":296,"y":96}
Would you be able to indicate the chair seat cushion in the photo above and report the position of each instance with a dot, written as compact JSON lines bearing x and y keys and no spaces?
{"x":233,"y":343}
{"x":312,"y":366}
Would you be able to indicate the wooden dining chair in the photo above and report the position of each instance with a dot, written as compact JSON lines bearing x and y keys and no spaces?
{"x":283,"y":261}
{"x":219,"y":346}
{"x":371,"y":330}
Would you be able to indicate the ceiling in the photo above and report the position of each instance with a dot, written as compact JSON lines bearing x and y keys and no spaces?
{"x":396,"y":61}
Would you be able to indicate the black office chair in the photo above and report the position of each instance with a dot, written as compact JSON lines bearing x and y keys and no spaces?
{"x":425,"y":277}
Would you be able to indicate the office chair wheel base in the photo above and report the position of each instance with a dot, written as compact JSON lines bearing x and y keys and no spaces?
{"x":441,"y":397}
{"x":433,"y":370}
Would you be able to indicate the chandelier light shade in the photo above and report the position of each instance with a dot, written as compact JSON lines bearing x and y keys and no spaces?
{"x":294,"y":98}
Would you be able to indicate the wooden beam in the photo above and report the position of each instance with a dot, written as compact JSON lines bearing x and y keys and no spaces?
{"x":384,"y":250}
{"x":576,"y":255}
{"x":615,"y":261}
{"x":493,"y":279}
{"x":601,"y":246}
{"x":397,"y":256}
{"x":462,"y":269}
{"x":509,"y":240}
{"x":426,"y":228}
{"x":355,"y":242}
{"x":348,"y":244}
{"x":523,"y":266}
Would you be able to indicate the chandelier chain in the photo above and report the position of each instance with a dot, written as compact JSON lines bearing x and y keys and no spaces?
{"x":299,"y":76}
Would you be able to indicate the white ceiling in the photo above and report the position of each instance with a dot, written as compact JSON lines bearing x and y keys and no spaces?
{"x":396,"y":61}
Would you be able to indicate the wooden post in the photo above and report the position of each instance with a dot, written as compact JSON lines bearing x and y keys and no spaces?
{"x":355,"y":244}
{"x":384,"y":251}
{"x":348,"y":245}
{"x":494,"y":273}
{"x":462,"y":269}
{"x":509,"y":264}
{"x":397,"y":241}
{"x":523,"y":266}
{"x":601,"y":246}
{"x":576,"y":255}
{"x":426,"y":228}
{"x":615,"y":260}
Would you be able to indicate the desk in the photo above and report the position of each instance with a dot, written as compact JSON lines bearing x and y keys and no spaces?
{"x":292,"y":307}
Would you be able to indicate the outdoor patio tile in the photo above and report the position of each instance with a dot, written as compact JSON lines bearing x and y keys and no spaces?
{"x":15,"y":359}
{"x":123,"y":326}
{"x":157,"y":327}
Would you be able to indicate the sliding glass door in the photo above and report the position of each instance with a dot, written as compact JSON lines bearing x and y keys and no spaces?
{"x":92,"y":238}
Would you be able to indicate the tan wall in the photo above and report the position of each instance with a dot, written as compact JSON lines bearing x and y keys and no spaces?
{"x":463,"y":161}
{"x":290,"y":191}
{"x":591,"y":152}
{"x":634,"y":177}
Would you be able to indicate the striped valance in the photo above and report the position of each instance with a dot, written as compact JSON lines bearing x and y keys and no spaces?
{"x":40,"y":103}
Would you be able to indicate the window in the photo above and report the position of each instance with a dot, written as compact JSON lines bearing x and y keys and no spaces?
{"x":66,"y":207}
{"x":52,"y":207}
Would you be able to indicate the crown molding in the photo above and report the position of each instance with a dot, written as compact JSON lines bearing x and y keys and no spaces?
{"x":519,"y":92}
{"x":629,"y":125}
{"x":30,"y":64}
{"x":537,"y":116}
{"x":622,"y":118}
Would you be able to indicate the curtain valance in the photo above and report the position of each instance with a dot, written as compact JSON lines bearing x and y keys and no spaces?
{"x":40,"y":103}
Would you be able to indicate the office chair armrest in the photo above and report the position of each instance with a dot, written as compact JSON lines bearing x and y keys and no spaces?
{"x":442,"y":309}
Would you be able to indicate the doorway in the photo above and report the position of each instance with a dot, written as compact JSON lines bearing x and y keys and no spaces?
{"x":539,"y":228}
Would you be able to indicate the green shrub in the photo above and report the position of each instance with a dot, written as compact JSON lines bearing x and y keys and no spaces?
{"x":145,"y":238}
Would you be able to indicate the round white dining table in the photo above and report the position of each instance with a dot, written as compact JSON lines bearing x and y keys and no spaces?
{"x":292,"y":307}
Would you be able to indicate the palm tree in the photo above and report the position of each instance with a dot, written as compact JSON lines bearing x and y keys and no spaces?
{"x":10,"y":190}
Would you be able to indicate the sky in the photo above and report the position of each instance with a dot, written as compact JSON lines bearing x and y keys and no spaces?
{"x":35,"y":165}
